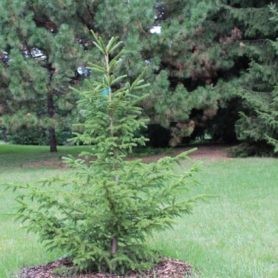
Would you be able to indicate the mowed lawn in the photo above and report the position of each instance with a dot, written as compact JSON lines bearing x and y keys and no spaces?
{"x":234,"y":234}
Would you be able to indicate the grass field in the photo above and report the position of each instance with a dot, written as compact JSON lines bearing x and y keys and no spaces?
{"x":234,"y":234}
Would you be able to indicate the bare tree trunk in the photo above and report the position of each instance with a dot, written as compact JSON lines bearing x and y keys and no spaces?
{"x":51,"y":130}
{"x":52,"y":139}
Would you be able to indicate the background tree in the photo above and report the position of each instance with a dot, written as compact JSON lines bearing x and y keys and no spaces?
{"x":258,"y":124}
{"x":200,"y":57}
{"x":199,"y":54}
{"x":42,"y":47}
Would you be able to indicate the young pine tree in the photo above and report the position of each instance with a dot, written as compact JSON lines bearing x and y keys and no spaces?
{"x":101,"y":214}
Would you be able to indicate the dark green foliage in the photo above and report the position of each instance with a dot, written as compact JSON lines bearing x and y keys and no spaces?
{"x":102,"y":213}
{"x":208,"y":55}
{"x":259,"y":119}
{"x":36,"y":136}
{"x":40,"y":41}
{"x":251,"y":149}
{"x":28,"y":136}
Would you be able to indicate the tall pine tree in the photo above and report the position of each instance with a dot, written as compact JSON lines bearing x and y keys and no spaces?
{"x":258,"y":124}
{"x":199,"y":54}
{"x":42,"y":46}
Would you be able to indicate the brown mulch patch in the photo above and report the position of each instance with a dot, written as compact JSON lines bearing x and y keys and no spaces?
{"x":167,"y":268}
{"x":54,"y":163}
{"x":211,"y":153}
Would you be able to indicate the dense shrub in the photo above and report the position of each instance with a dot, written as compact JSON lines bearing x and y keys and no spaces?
{"x":36,"y":136}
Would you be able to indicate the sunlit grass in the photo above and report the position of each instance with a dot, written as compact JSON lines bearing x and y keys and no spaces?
{"x":234,"y":234}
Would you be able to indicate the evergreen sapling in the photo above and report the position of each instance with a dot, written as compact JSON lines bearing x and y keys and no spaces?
{"x":102,"y":212}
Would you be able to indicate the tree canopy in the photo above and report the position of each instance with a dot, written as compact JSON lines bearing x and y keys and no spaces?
{"x":212,"y":65}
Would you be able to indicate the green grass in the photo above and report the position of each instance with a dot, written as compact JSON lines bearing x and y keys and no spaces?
{"x":18,"y":156}
{"x":14,"y":156}
{"x":234,"y":234}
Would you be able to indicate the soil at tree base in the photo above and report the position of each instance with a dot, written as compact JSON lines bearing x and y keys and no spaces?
{"x":166,"y":268}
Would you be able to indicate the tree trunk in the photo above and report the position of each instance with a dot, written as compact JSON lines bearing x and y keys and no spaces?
{"x":52,"y":139}
{"x":51,"y":130}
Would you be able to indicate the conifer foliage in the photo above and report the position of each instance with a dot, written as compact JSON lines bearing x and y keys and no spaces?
{"x":39,"y":55}
{"x":258,"y":123}
{"x":102,"y":213}
{"x":203,"y":58}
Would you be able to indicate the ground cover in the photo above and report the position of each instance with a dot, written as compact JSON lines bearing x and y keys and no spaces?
{"x":233,"y":234}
